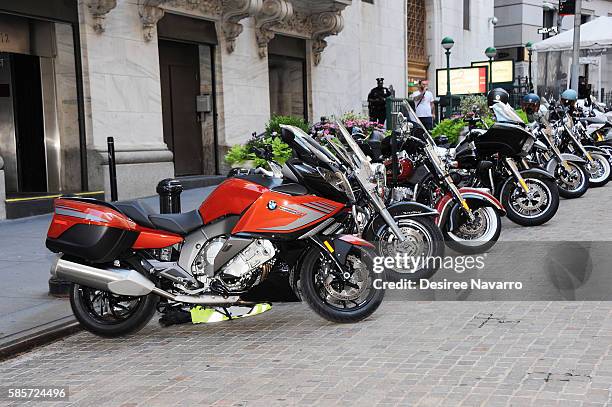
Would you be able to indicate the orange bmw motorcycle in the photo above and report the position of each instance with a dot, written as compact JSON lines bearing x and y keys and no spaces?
{"x":124,"y":260}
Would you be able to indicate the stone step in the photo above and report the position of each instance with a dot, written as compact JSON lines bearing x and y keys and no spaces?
{"x":23,"y":206}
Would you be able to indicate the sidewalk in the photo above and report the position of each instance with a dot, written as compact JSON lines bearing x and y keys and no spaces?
{"x":26,"y":308}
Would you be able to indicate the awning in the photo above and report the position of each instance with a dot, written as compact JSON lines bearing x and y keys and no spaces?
{"x":596,"y":34}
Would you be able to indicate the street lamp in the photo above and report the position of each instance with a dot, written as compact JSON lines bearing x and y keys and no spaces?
{"x":447,"y":44}
{"x":490,"y":52}
{"x":529,"y":47}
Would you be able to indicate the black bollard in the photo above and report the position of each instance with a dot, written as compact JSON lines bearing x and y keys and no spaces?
{"x":112,"y":167}
{"x":169,"y":191}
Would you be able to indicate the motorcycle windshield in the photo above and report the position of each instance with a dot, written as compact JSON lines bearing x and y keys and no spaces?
{"x":359,"y":158}
{"x":505,"y":113}
{"x":308,"y":143}
{"x":407,"y":111}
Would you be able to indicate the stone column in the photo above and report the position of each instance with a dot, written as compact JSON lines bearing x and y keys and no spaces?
{"x":123,"y":100}
{"x":246,"y":97}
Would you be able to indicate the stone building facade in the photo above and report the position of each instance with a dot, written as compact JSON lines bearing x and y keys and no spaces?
{"x":468,"y":22}
{"x":519,"y":22}
{"x":177,"y":82}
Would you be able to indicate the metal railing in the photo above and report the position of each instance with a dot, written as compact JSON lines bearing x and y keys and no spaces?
{"x":394,"y":106}
{"x":606,"y":97}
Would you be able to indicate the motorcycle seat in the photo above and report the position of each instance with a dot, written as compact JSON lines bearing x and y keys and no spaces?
{"x":138,"y":211}
{"x":179,"y":223}
{"x":291,"y":188}
{"x":144,"y":215}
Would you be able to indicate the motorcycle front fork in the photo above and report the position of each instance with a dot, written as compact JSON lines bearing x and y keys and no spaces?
{"x":516,"y":173}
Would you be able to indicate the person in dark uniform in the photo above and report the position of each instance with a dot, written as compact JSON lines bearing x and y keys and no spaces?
{"x":377,"y":104}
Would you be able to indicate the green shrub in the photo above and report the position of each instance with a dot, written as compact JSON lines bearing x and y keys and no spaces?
{"x":275,"y":122}
{"x":522,"y":115}
{"x":451,"y":128}
{"x":238,"y":154}
{"x":281,"y":152}
{"x":468,"y":102}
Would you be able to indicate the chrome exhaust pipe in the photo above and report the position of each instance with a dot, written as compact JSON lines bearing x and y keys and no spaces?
{"x":126,"y":282}
{"x":117,"y":281}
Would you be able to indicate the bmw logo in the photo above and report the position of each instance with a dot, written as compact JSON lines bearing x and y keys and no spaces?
{"x":271,"y":205}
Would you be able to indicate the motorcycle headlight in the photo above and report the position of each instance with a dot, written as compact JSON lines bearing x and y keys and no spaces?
{"x":338,"y":180}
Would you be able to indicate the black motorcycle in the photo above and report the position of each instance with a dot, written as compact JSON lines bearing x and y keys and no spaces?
{"x":571,"y":137}
{"x":470,"y":219}
{"x":492,"y":157}
{"x":568,"y":169}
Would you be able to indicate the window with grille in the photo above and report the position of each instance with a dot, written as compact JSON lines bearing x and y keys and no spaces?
{"x":416,"y":31}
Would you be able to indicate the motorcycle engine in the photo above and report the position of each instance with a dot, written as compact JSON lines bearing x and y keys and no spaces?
{"x":399,"y":194}
{"x":241,"y":271}
{"x":250,"y":258}
{"x":203,"y":264}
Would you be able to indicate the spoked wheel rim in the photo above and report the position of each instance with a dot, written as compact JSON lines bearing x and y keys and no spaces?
{"x":107,"y":308}
{"x":347,"y":290}
{"x":570,"y":180}
{"x":608,"y":150}
{"x":419,"y":241}
{"x":532,"y":204}
{"x":599,"y":169}
{"x":482,"y":229}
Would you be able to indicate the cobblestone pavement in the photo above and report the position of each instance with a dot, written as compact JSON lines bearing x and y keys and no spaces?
{"x":408,"y":353}
{"x":426,"y":354}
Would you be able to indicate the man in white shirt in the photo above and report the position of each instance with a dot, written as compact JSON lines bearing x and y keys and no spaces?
{"x":424,"y":105}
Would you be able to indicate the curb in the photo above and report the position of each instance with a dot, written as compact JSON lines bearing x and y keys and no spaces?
{"x":19,"y":342}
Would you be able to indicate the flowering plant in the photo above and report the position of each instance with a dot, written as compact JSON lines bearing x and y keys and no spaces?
{"x":350,"y":120}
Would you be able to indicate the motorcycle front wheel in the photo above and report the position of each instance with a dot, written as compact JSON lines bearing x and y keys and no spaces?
{"x":110,"y":315}
{"x":475,"y":236}
{"x":572,"y":182}
{"x":608,"y":149}
{"x":343,"y":296}
{"x":599,"y":171}
{"x":424,"y":242}
{"x":534,"y":208}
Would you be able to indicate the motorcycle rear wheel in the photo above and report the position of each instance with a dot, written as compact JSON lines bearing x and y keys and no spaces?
{"x":333,"y":300}
{"x":116,"y":315}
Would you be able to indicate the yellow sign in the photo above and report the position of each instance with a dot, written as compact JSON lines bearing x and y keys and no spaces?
{"x":503,"y":71}
{"x":464,"y":81}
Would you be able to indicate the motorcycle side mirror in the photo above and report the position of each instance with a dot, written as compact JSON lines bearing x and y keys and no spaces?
{"x":259,"y":152}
